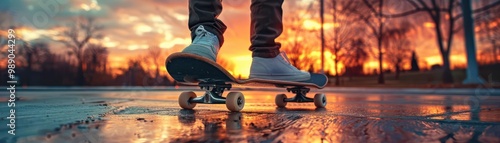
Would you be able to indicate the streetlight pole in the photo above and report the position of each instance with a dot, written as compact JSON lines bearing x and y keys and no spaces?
{"x":322,"y":11}
{"x":470,"y":45}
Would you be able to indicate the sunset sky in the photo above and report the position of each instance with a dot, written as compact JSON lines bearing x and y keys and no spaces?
{"x":132,"y":26}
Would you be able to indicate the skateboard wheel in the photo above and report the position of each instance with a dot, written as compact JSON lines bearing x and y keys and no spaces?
{"x":280,"y":100}
{"x":320,"y":100}
{"x":235,"y":101}
{"x":184,"y":100}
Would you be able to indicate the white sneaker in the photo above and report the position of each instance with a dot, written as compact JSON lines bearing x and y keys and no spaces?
{"x":205,"y":44}
{"x":277,"y":68}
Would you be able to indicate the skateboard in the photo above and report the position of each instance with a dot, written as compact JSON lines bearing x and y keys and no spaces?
{"x":191,"y":69}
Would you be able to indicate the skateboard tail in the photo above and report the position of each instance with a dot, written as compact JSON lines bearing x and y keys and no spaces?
{"x":185,"y":67}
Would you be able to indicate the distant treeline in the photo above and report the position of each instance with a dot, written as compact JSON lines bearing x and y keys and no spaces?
{"x":61,"y":73}
{"x":36,"y":65}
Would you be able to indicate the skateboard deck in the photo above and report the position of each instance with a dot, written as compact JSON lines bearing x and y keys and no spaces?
{"x":189,"y":68}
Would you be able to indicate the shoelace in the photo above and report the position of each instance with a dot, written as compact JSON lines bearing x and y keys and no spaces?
{"x":201,"y":31}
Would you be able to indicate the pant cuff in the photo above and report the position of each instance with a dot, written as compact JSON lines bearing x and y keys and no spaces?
{"x":266,"y":52}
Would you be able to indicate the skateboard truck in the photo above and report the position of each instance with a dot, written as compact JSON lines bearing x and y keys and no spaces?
{"x":300,"y":94}
{"x":213,"y":93}
{"x":235,"y":101}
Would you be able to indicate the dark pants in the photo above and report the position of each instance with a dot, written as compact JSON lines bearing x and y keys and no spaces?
{"x":266,"y":23}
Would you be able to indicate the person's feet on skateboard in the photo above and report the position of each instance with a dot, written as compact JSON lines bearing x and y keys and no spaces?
{"x":204,"y":44}
{"x":266,"y":25}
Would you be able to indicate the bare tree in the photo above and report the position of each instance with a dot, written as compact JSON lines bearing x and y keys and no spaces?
{"x":30,"y":55}
{"x":485,"y":56}
{"x":490,"y":30}
{"x":5,"y":18}
{"x":397,"y":45}
{"x":33,"y":55}
{"x":95,"y":59}
{"x":76,"y":37}
{"x":153,"y":56}
{"x":444,"y":14}
{"x":134,"y":73}
{"x":156,"y":56}
{"x":355,"y":57}
{"x":372,"y":15}
{"x":343,"y":31}
{"x":294,"y":42}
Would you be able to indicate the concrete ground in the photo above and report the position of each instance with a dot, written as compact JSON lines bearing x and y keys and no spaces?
{"x":352,"y":115}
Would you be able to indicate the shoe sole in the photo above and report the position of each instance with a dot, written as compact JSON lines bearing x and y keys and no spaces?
{"x":281,"y":77}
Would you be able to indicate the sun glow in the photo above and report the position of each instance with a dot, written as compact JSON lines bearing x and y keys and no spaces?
{"x":310,"y":24}
{"x":429,"y":24}
{"x":454,"y":59}
{"x":241,"y":66}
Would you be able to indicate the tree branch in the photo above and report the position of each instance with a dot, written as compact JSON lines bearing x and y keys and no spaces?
{"x":423,"y":4}
{"x":403,"y":14}
{"x":366,"y":20}
{"x":457,"y":29}
{"x":372,"y":9}
{"x":451,"y":26}
{"x":417,"y":9}
{"x":412,"y":2}
{"x":482,"y":9}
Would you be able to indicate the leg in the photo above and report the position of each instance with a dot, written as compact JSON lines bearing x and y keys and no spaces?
{"x":205,"y":12}
{"x":206,"y":30}
{"x":266,"y":26}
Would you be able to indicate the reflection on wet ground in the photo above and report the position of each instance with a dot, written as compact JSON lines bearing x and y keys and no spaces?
{"x":155,"y":117}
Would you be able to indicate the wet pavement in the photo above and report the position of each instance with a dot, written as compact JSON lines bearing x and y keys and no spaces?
{"x":154,"y":116}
